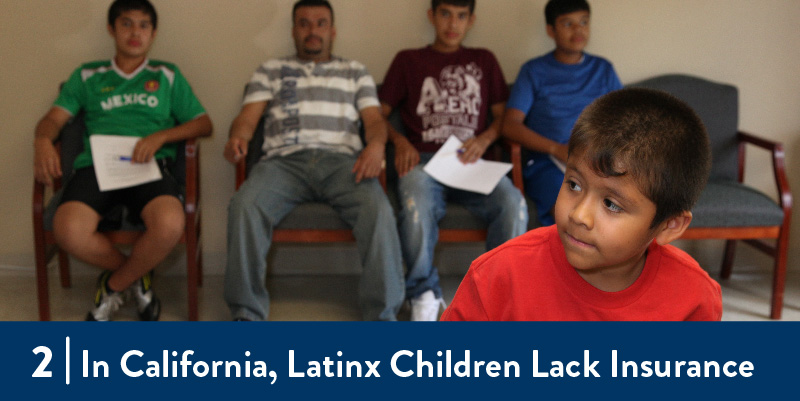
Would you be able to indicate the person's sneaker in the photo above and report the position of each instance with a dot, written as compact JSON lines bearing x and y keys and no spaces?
{"x":425,"y":307}
{"x":106,"y":302}
{"x":147,"y":303}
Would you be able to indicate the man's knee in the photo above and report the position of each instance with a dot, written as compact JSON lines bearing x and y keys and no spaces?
{"x":416,"y":194}
{"x":416,"y":181}
{"x":243,"y":209}
{"x":373,"y":202}
{"x":164,"y":216}
{"x":514,"y":201}
{"x":73,"y":223}
{"x":170,"y":226}
{"x":237,"y":206}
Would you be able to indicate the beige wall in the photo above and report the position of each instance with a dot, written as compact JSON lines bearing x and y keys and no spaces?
{"x":218,"y":44}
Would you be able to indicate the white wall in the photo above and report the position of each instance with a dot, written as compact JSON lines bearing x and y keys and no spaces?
{"x":218,"y":44}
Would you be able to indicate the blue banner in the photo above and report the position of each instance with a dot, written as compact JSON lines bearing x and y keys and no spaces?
{"x":410,"y":361}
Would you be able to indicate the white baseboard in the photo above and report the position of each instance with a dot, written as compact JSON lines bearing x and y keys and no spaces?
{"x":285,"y":259}
{"x":326,"y":259}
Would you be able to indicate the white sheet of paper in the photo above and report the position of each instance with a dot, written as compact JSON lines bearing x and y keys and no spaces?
{"x":561,"y":166}
{"x":111,"y":156}
{"x":481,"y":177}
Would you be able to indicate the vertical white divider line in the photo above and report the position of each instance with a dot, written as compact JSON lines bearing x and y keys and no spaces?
{"x":67,"y":361}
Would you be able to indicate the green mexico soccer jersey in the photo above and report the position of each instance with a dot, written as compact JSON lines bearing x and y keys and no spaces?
{"x":154,"y":97}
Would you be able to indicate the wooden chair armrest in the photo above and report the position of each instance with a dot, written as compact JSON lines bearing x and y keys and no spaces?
{"x":40,"y":190}
{"x":514,"y":149}
{"x":38,"y":203}
{"x":192,"y":151}
{"x":241,"y":172}
{"x":767,"y":144}
{"x":382,"y":178}
{"x":778,"y":165}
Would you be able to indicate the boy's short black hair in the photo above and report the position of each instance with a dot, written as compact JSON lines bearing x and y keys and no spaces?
{"x":120,"y":6}
{"x":652,"y":137}
{"x":312,"y":3}
{"x":457,"y":3}
{"x":557,"y":8}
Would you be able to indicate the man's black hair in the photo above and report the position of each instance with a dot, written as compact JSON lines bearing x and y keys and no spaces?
{"x":120,"y":6}
{"x":557,"y":8}
{"x":312,"y":3}
{"x":457,"y":3}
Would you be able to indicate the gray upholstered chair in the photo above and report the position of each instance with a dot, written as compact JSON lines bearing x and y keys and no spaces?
{"x":728,"y":209}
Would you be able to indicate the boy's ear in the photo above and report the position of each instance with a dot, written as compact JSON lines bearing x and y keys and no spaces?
{"x":673,"y":228}
{"x":430,"y":15}
{"x":551,"y":31}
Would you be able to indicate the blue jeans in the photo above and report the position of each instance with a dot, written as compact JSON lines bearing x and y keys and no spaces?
{"x":273,"y":188}
{"x":422,"y":205}
{"x":543,"y":180}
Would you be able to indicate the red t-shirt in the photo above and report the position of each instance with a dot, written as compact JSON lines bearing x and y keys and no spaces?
{"x":443,"y":94}
{"x":529,"y":279}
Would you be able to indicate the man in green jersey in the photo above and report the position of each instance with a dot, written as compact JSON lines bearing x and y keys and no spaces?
{"x":129,"y":95}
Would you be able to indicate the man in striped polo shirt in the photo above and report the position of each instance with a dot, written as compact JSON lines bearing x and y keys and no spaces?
{"x":129,"y":95}
{"x":314,"y":104}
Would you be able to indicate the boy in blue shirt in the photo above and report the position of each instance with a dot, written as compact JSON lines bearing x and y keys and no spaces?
{"x":548,"y":96}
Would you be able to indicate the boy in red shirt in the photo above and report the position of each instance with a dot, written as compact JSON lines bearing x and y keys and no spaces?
{"x":638,"y":160}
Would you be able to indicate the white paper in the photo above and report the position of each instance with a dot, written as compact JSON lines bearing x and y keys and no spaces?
{"x":481,"y":177}
{"x":561,"y":166}
{"x":111,"y":155}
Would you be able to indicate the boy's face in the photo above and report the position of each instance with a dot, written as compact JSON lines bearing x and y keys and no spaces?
{"x":451,"y":24}
{"x":313,"y":33}
{"x":604,"y":223}
{"x":571,"y":32}
{"x":133,"y":34}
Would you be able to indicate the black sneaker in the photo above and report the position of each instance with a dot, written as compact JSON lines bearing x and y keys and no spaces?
{"x":147,"y":303}
{"x":106,"y":302}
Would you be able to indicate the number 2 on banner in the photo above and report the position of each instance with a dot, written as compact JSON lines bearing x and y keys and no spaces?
{"x":48,"y":355}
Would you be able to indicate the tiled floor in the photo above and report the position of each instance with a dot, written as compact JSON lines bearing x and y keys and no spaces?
{"x":745,"y":297}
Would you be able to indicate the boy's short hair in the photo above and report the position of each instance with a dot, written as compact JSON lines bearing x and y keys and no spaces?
{"x":557,"y":8}
{"x":652,"y":137}
{"x":120,"y":6}
{"x":457,"y":3}
{"x":312,"y":3}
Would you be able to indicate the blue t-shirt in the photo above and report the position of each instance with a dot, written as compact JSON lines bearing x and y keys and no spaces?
{"x":552,"y":94}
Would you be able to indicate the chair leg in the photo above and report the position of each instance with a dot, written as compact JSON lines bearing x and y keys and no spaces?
{"x":191,"y":271}
{"x":199,"y":266}
{"x":63,"y":269}
{"x":42,"y":286}
{"x":191,"y":293}
{"x":779,"y":279}
{"x":727,"y":259}
{"x":198,"y":234}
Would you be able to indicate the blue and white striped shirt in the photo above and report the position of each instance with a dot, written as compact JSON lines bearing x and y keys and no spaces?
{"x":312,"y":105}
